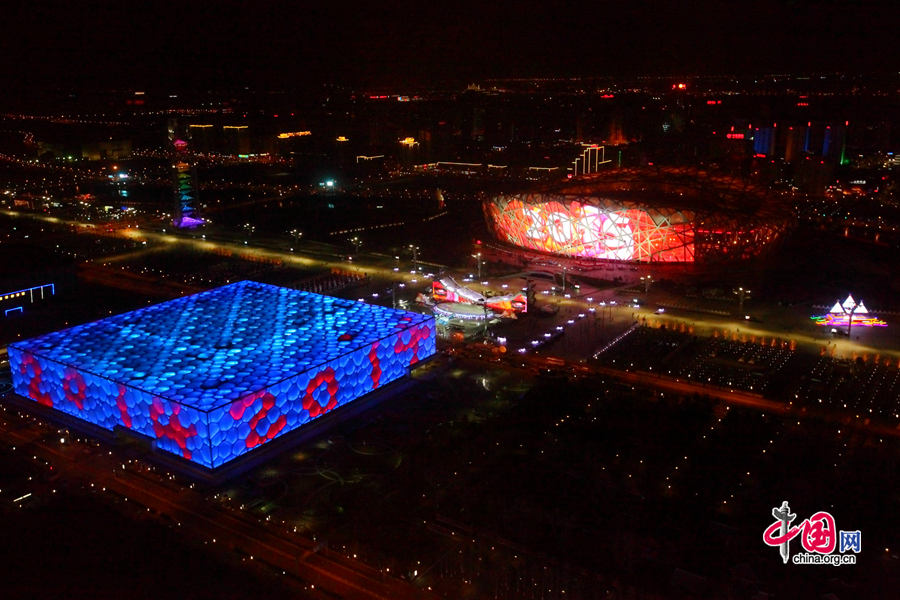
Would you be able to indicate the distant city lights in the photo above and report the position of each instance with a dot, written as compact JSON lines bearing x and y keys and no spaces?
{"x":293,"y":134}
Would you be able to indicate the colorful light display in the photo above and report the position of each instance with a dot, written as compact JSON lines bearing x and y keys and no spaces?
{"x":214,"y":375}
{"x":847,"y":313}
{"x":510,"y":303}
{"x":831,"y":320}
{"x":293,"y":134}
{"x":576,"y":226}
{"x":185,"y":209}
{"x":601,"y":228}
{"x":460,"y":310}
{"x":448,"y":290}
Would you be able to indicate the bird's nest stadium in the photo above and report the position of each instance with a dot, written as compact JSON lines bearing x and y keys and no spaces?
{"x":640,"y":215}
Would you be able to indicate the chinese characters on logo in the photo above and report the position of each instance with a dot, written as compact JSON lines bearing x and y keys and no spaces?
{"x":818,"y":535}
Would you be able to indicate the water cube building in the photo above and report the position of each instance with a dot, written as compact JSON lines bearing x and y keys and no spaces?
{"x":214,"y":375}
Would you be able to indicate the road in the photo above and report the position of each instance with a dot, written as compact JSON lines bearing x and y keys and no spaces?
{"x":311,"y":255}
{"x":666,"y":383}
{"x":329,"y":571}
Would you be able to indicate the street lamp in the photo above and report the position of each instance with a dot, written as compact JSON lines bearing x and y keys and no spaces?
{"x":741,"y":293}
{"x":647,"y":281}
{"x":850,"y":320}
{"x":356,"y":243}
{"x":415,"y":254}
{"x":478,"y":257}
{"x":250,"y":229}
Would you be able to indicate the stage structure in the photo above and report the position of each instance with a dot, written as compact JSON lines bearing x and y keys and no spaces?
{"x":212,"y":376}
{"x":847,"y":314}
{"x":447,"y":290}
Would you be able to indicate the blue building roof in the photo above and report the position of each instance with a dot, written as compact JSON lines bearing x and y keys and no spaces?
{"x":217,"y":346}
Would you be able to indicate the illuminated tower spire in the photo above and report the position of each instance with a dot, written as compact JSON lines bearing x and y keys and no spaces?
{"x":185,"y":214}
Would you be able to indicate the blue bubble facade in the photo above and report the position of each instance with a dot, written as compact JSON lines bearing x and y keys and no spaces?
{"x":215,"y":375}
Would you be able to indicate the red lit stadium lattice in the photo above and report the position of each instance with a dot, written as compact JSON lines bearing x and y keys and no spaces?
{"x":624,"y":222}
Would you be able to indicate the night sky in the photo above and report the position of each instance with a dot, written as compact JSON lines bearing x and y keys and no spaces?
{"x":267,"y":44}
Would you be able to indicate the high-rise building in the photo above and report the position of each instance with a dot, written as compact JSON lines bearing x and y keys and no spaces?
{"x":794,"y":141}
{"x":834,"y":142}
{"x":478,"y":120}
{"x":237,"y":139}
{"x":616,"y":130}
{"x":201,"y":137}
{"x":764,"y":141}
{"x":813,"y":175}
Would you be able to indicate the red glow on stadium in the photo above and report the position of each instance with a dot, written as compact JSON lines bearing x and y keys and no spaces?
{"x":597,"y":220}
{"x":577,"y":229}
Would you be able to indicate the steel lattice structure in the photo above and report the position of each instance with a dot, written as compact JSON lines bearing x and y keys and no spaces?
{"x":613,"y":229}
